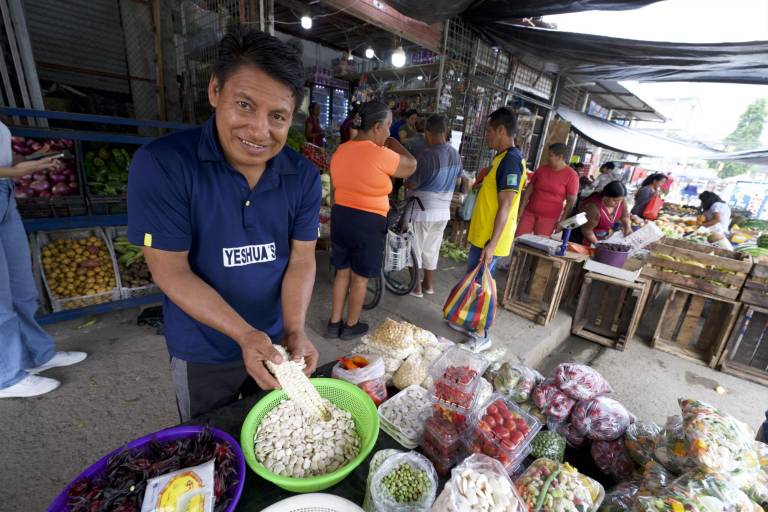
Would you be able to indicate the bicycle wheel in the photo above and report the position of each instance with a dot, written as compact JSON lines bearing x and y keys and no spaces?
{"x":373,"y":293}
{"x":402,"y":282}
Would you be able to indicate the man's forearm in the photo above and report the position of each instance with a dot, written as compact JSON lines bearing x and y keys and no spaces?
{"x":298,"y":282}
{"x":200,"y":301}
{"x":499,"y":223}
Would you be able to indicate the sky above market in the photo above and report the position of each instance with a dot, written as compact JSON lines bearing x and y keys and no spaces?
{"x":687,"y":21}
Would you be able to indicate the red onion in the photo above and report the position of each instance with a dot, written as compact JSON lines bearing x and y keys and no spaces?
{"x":60,"y":189}
{"x":57,"y":176}
{"x":39,"y":176}
{"x":39,"y":185}
{"x":36,"y":146}
{"x":17,"y":140}
{"x":23,"y":192}
{"x":26,"y":178}
{"x":44,"y":193}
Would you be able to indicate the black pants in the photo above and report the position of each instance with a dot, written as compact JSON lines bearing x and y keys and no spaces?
{"x":201,"y":388}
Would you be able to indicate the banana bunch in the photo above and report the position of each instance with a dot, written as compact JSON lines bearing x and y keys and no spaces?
{"x":134,"y":271}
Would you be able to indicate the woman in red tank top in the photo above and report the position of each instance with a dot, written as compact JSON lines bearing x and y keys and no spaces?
{"x":606,"y":212}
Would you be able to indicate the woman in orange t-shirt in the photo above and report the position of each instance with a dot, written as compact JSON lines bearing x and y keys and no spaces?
{"x":361,"y":175}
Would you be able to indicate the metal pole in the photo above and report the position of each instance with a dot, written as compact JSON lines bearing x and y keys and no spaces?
{"x":159,"y":70}
{"x":443,"y":58}
{"x":7,"y":83}
{"x":261,"y":15}
{"x":27,"y":57}
{"x":548,"y":120}
{"x":271,"y":17}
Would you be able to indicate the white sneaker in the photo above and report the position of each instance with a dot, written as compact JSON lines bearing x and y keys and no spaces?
{"x":31,"y":385}
{"x":477,"y":343}
{"x":59,"y":359}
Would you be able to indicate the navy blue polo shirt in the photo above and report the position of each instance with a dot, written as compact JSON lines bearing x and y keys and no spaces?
{"x":184,"y":196}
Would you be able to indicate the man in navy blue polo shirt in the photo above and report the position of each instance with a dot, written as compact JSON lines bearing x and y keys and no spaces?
{"x":228,"y":217}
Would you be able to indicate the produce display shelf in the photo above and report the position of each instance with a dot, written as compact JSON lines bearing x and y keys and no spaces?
{"x":84,"y":221}
{"x":73,"y":314}
{"x":91,"y":118}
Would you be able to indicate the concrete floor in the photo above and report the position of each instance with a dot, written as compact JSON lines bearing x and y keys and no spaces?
{"x":123,"y":390}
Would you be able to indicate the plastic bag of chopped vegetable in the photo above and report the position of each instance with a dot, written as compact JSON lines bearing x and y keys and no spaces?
{"x":654,"y":478}
{"x":516,"y":382}
{"x":621,"y":498}
{"x":713,"y":491}
{"x":671,"y":447}
{"x":581,"y":382}
{"x":717,"y":441}
{"x":406,"y":482}
{"x":639,"y":439}
{"x":613,"y":459}
{"x":548,"y":486}
{"x":600,"y":419}
{"x":376,"y":461}
{"x":480,"y":483}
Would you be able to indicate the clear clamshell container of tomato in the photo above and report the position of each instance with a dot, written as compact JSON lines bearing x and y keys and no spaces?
{"x":456,"y":375}
{"x":442,"y":438}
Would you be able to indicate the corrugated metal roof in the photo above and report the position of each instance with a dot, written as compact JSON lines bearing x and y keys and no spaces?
{"x":79,"y":42}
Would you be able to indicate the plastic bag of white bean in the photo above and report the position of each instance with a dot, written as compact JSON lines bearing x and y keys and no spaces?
{"x":480,"y":483}
{"x":406,"y":482}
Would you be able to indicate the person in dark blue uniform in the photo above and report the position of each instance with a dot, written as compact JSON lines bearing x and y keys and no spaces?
{"x":228,"y":218}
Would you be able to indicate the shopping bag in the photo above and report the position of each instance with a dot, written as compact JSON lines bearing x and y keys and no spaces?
{"x":652,"y":209}
{"x":466,"y":209}
{"x":472,"y":302}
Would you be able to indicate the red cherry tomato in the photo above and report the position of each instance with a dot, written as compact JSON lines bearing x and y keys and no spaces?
{"x":510,"y":425}
{"x":516,"y":437}
{"x":502,"y":432}
{"x":491,"y":409}
{"x":508,"y":444}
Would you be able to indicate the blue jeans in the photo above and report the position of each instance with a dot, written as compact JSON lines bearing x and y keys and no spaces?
{"x":474,"y":258}
{"x":23,"y":343}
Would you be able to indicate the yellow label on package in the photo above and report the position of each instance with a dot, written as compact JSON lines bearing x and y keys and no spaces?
{"x":186,"y":490}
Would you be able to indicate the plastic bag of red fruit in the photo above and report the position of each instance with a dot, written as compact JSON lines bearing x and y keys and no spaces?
{"x":502,"y":430}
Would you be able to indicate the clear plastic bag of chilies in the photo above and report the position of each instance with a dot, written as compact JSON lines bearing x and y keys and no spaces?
{"x":600,"y":419}
{"x":613,"y":459}
{"x":639,"y":440}
{"x":516,"y":382}
{"x":717,"y":441}
{"x":581,"y":382}
{"x":548,"y":486}
{"x":406,"y":482}
{"x":480,"y":483}
{"x":553,"y":402}
{"x":366,"y":372}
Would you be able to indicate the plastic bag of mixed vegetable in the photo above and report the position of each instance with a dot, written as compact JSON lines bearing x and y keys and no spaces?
{"x":713,"y":491}
{"x":639,"y":439}
{"x":581,"y":382}
{"x":480,"y":483}
{"x":757,"y":489}
{"x":717,"y":441}
{"x":621,"y":498}
{"x":671,"y":447}
{"x":376,"y":461}
{"x":366,"y":372}
{"x":613,"y":459}
{"x":516,"y":382}
{"x":600,"y":419}
{"x":548,"y":486}
{"x":654,"y":477}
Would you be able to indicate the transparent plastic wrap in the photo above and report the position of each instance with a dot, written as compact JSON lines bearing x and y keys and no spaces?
{"x":478,"y":484}
{"x":442,"y":440}
{"x":714,"y":492}
{"x":671,"y":447}
{"x":600,"y":419}
{"x":613,"y":459}
{"x":548,"y":486}
{"x":552,"y":401}
{"x":572,"y":437}
{"x":456,"y":375}
{"x":717,"y":441}
{"x":581,"y":382}
{"x":376,"y":461}
{"x":413,"y":371}
{"x":548,"y":444}
{"x":403,"y":416}
{"x":654,"y":478}
{"x":405,"y":482}
{"x":621,"y":498}
{"x":364,"y":371}
{"x":516,"y":382}
{"x":639,"y":439}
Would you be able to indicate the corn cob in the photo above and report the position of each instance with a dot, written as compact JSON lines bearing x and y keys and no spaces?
{"x":297,"y":386}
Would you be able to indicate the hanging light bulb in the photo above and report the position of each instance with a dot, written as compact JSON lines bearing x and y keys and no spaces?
{"x":350,"y":57}
{"x":369,"y":53}
{"x":306,"y":22}
{"x":398,"y":57}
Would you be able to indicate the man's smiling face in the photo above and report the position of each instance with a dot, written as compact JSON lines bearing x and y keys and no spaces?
{"x":253,"y":115}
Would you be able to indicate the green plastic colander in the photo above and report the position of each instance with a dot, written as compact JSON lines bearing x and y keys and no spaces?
{"x":344,"y":395}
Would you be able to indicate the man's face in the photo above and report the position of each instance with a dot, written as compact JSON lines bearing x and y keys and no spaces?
{"x":555,"y":161}
{"x":492,"y":136}
{"x":253,"y":115}
{"x":412,"y":120}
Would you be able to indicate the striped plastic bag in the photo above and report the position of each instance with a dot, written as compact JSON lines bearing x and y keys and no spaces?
{"x":472,"y":302}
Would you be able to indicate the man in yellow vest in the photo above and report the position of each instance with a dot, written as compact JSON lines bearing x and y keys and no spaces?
{"x":494,"y":219}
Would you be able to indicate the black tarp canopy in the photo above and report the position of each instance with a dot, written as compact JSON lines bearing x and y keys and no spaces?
{"x":632,"y":141}
{"x":481,"y":11}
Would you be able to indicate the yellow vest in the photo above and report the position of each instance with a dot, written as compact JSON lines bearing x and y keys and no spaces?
{"x":486,"y":206}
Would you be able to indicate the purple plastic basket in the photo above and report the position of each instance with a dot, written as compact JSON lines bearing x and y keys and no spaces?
{"x":169,"y":434}
{"x":609,"y":257}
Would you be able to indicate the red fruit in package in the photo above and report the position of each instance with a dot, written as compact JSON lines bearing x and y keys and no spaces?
{"x":544,"y":393}
{"x":613,"y":459}
{"x":600,"y":419}
{"x":560,"y":407}
{"x":581,"y":382}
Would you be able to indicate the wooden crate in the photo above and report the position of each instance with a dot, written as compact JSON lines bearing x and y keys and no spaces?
{"x":457,"y":232}
{"x":747,"y":353}
{"x":535,"y":284}
{"x":704,"y":264}
{"x":695,"y":325}
{"x":755,"y":290}
{"x":609,"y":310}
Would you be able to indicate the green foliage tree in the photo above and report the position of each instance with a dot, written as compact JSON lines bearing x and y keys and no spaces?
{"x":745,"y":136}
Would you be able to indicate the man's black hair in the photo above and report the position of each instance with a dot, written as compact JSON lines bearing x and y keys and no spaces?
{"x":506,"y":118}
{"x":437,"y":124}
{"x":608,"y":165}
{"x":411,"y":112}
{"x":558,"y":148}
{"x":250,"y":47}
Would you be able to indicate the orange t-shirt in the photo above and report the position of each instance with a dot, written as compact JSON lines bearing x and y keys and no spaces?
{"x":360,"y":174}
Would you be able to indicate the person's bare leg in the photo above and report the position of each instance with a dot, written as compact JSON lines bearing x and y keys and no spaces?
{"x":357,"y":288}
{"x":340,"y":288}
{"x":427,"y":285}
